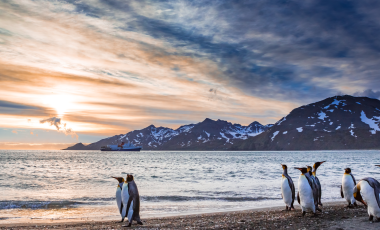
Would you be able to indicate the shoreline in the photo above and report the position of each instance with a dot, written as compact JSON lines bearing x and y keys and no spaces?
{"x":335,"y":215}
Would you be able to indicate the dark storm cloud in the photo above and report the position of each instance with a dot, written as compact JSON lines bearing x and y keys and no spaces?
{"x":368,"y":93}
{"x":274,"y":48}
{"x":12,"y":108}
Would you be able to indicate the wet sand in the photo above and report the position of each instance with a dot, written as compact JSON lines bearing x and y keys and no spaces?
{"x":334,"y":216}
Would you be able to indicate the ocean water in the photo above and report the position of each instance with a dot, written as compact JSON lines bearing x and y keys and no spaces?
{"x":78,"y":184}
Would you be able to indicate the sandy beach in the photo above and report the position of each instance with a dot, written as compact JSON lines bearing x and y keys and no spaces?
{"x":335,"y":216}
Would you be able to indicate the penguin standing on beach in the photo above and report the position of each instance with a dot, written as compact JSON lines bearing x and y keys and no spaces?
{"x":118,"y":195}
{"x":347,"y":187}
{"x":306,"y":192}
{"x":367,"y":191}
{"x":319,"y":187}
{"x":131,"y":201}
{"x":315,"y":187}
{"x":288,"y":192}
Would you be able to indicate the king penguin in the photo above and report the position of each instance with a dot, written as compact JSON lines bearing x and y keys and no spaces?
{"x":131,"y":201}
{"x":367,"y":191}
{"x":306,"y":190}
{"x":118,"y":195}
{"x":347,"y":187}
{"x":319,"y":187}
{"x":316,"y":187}
{"x":288,"y":192}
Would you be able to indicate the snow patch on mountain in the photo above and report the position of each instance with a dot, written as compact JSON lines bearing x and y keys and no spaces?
{"x":283,"y":119}
{"x":371,"y":122}
{"x":335,"y":102}
{"x":275,"y":134}
{"x":322,"y":115}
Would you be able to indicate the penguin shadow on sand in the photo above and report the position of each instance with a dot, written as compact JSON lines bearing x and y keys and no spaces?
{"x":128,"y":200}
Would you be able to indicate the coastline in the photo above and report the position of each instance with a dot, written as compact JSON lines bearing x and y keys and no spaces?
{"x":335,"y":215}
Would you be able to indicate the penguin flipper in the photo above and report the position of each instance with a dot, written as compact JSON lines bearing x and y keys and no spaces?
{"x":341,"y":191}
{"x":353,"y":178}
{"x":298,"y":197}
{"x":121,"y":208}
{"x":291,"y":185}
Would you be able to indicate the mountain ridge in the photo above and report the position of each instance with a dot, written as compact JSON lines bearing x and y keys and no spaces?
{"x":335,"y":123}
{"x":206,"y":135}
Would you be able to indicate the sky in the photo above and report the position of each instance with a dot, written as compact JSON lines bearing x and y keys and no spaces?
{"x":79,"y":71}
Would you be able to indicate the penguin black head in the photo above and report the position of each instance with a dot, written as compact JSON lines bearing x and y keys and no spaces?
{"x":303,"y":170}
{"x":284,"y":166}
{"x":129,"y":178}
{"x":317,"y":164}
{"x":309,"y":169}
{"x":347,"y":170}
{"x":120,"y":179}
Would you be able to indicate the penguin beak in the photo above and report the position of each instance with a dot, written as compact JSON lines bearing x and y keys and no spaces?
{"x":119,"y":179}
{"x":377,"y":165}
{"x":317,"y":164}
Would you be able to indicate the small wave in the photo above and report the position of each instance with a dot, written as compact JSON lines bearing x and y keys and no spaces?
{"x":204,"y":198}
{"x":37,"y":204}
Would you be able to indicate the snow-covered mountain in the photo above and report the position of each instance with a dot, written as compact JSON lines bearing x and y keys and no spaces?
{"x":341,"y":122}
{"x":205,"y":135}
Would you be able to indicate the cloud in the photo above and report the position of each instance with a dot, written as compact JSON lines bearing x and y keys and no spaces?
{"x":14,"y":131}
{"x":55,"y":121}
{"x":368,"y":93}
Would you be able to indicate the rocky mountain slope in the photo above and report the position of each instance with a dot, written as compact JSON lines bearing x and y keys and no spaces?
{"x":206,"y":135}
{"x":341,"y":122}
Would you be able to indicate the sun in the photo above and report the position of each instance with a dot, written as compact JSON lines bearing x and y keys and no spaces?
{"x":59,"y":102}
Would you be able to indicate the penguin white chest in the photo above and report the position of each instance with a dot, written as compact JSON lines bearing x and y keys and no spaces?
{"x":348,"y":188}
{"x":124,"y":199}
{"x":306,"y":195}
{"x":118,"y":199}
{"x":286,"y":192}
{"x":368,"y":194}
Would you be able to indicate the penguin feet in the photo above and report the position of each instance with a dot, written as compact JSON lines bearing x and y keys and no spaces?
{"x":140,"y":223}
{"x":303,"y":213}
{"x":127,"y":226}
{"x":122,"y":220}
{"x":318,"y":209}
{"x":355,"y":204}
{"x":370,"y":218}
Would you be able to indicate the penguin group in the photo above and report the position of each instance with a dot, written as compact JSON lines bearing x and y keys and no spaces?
{"x":128,"y":199}
{"x":366,"y":191}
{"x":309,"y":189}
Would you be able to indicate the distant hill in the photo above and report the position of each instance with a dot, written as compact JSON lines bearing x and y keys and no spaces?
{"x":341,"y":122}
{"x":205,"y":135}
